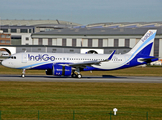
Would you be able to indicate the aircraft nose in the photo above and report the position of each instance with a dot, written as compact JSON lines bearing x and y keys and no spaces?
{"x":7,"y":63}
{"x":4,"y":63}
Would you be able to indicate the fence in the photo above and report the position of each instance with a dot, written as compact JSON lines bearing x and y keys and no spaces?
{"x":78,"y":115}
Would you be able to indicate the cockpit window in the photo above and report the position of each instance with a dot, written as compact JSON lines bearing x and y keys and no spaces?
{"x":12,"y":57}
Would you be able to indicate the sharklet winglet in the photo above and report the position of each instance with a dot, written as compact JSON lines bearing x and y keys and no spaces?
{"x":111,"y":55}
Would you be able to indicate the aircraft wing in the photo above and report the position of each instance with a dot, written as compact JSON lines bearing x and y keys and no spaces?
{"x":89,"y":63}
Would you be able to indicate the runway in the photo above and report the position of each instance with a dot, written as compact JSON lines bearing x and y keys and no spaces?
{"x":106,"y":79}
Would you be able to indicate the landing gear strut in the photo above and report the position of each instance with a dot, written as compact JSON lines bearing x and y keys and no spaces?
{"x":78,"y":75}
{"x":23,"y":73}
{"x":73,"y":75}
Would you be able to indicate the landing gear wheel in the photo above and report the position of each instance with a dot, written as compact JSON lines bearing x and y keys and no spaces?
{"x":22,"y":75}
{"x":73,"y":75}
{"x":79,"y":76}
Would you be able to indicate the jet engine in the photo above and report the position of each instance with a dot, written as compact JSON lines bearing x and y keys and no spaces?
{"x":59,"y":70}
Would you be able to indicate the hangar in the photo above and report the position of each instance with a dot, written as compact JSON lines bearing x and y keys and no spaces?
{"x":62,"y":36}
{"x":97,"y":37}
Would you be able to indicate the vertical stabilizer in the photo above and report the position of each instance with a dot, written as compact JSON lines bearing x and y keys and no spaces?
{"x":144,"y":46}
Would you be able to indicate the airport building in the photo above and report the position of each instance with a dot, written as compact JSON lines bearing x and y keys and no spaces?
{"x":21,"y":30}
{"x":61,"y":36}
{"x":96,"y":37}
{"x":5,"y":39}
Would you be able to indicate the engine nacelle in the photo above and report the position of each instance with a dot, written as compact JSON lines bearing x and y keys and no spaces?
{"x":59,"y":70}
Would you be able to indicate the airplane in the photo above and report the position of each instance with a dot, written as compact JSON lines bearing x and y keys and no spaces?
{"x":63,"y":64}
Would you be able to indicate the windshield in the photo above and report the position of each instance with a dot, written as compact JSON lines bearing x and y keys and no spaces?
{"x":12,"y":57}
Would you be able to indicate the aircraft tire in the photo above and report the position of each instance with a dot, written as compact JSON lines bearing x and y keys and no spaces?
{"x":79,"y":76}
{"x":22,"y":75}
{"x":73,"y":75}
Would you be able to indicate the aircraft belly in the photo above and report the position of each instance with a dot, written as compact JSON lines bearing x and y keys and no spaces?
{"x":108,"y":65}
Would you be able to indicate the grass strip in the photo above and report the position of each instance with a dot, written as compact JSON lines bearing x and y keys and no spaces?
{"x":78,"y":96}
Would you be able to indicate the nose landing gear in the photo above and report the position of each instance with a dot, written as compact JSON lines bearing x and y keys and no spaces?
{"x":23,"y":73}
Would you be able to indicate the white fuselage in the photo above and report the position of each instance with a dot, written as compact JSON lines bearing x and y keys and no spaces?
{"x":31,"y":60}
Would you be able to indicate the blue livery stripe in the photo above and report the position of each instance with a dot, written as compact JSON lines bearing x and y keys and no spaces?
{"x":33,"y":65}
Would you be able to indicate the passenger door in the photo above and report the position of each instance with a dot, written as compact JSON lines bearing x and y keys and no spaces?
{"x":24,"y":58}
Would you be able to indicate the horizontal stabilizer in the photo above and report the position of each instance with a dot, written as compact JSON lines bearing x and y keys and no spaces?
{"x":148,"y":60}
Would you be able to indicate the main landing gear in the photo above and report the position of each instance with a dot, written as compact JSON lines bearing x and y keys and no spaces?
{"x":23,"y":73}
{"x":78,"y":75}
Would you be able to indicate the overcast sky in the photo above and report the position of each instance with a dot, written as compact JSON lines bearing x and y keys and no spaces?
{"x":83,"y":11}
